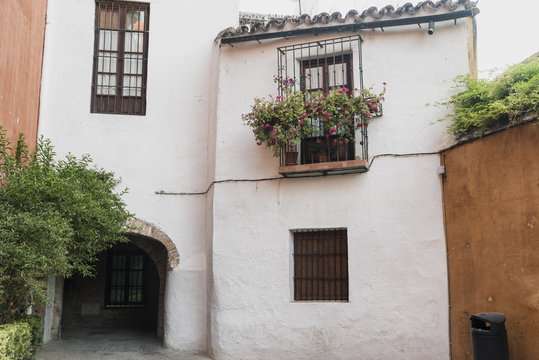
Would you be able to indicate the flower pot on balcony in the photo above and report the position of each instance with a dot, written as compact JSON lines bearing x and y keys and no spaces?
{"x":373,"y":105}
{"x":290,"y":158}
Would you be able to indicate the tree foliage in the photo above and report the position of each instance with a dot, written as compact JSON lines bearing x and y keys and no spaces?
{"x":56,"y":216}
{"x":484,"y":105}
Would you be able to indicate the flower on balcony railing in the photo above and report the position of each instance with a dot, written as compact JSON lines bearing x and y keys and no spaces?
{"x":283,"y":121}
{"x":278,"y":122}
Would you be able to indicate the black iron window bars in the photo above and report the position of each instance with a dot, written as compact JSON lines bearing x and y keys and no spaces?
{"x":126,"y":279}
{"x":317,"y":67}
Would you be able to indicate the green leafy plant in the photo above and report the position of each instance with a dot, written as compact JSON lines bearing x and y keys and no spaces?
{"x":56,"y":216}
{"x":279,"y":122}
{"x":338,"y":110}
{"x":35,"y":321}
{"x":484,"y":105}
{"x":282,"y":122}
{"x":16,"y":341}
{"x":21,"y":339}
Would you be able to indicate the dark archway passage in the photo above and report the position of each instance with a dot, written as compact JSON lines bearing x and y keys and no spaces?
{"x":127,"y":291}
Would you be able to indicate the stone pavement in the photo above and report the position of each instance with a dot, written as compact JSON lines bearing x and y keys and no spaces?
{"x":110,"y":344}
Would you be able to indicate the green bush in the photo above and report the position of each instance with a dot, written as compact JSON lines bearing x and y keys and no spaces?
{"x":56,"y":216}
{"x":16,"y":341}
{"x":485,"y":105}
{"x":35,"y":322}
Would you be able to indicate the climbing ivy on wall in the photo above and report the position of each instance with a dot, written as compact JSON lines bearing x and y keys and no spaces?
{"x":56,"y":216}
{"x":483,"y":105}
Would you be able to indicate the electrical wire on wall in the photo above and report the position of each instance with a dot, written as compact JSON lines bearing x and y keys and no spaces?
{"x":162,"y":192}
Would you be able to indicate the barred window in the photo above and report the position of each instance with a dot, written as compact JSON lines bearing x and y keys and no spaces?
{"x":319,"y":67}
{"x":120,"y":58}
{"x":324,"y":74}
{"x":126,"y":279}
{"x":320,"y":265}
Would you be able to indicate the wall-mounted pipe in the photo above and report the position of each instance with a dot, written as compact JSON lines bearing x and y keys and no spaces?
{"x":430,"y":30}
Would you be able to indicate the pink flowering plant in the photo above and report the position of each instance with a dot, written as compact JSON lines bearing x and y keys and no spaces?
{"x":340,"y":109}
{"x":282,"y":122}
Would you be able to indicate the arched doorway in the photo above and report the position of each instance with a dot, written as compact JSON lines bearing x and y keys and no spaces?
{"x":129,"y":287}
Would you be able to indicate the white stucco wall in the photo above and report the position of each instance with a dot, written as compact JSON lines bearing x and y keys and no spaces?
{"x":231,"y":292}
{"x":398,"y":306}
{"x":164,"y":150}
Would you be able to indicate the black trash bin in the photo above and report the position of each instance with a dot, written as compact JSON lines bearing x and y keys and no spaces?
{"x":489,"y":337}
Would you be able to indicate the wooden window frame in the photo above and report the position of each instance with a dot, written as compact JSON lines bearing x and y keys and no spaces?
{"x":325,"y":61}
{"x":345,"y":151}
{"x":320,"y":265}
{"x":120,"y":103}
{"x":126,"y":285}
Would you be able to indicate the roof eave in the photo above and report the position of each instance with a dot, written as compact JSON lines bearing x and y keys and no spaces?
{"x":454,"y":15}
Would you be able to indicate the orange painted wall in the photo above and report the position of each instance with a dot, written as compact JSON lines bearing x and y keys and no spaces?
{"x":22,"y":30}
{"x":491,"y":196}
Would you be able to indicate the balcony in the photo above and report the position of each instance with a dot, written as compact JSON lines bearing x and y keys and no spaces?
{"x":324,"y":154}
{"x":317,"y":124}
{"x":325,"y":168}
{"x":338,"y":143}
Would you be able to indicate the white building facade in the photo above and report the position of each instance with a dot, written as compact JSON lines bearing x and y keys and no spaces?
{"x":196,"y":175}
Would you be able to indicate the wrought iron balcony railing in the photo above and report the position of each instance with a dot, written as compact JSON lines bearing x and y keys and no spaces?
{"x":318,"y":67}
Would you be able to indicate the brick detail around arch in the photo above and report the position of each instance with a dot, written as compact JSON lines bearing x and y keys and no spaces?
{"x":141,"y":227}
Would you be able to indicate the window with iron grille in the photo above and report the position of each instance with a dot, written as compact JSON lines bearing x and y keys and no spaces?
{"x":321,"y":75}
{"x":320,"y":265}
{"x":323,"y":66}
{"x":126,"y":279}
{"x":120,"y":58}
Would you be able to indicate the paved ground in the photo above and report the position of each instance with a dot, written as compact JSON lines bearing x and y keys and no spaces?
{"x":109,"y":344}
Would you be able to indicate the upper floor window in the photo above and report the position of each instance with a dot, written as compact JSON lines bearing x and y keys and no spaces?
{"x":317,"y":68}
{"x":326,"y":73}
{"x":120,"y":57}
{"x":321,"y":75}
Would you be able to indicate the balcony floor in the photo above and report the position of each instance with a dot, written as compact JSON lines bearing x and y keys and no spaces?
{"x":325,"y":168}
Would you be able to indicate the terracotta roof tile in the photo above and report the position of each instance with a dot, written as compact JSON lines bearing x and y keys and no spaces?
{"x":353,"y":16}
